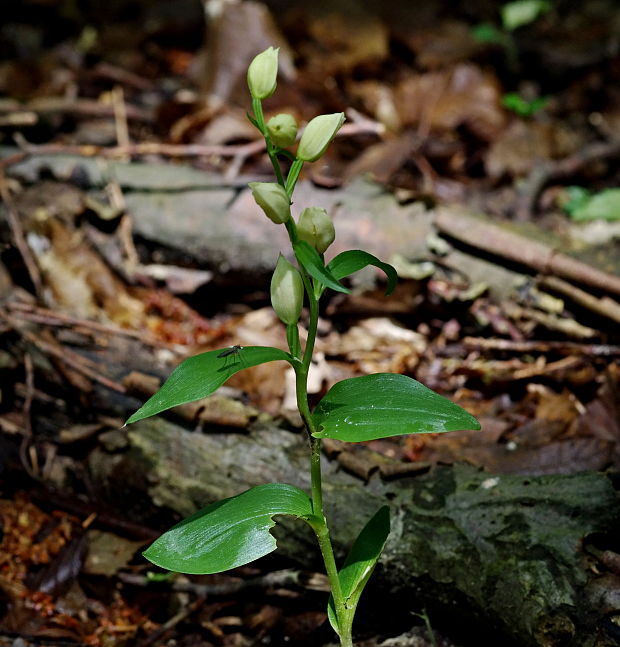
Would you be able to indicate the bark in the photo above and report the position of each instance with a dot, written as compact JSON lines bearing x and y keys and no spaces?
{"x":506,"y":552}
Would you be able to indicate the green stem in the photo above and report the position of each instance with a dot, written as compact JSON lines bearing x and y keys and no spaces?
{"x":292,"y":339}
{"x":257,"y":107}
{"x":274,"y":162}
{"x":319,"y":523}
{"x":313,"y":321}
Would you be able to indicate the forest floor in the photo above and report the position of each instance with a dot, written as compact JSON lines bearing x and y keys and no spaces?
{"x":481,"y":157}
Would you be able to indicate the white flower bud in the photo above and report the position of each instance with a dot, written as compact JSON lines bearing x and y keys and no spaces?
{"x":263,"y":74}
{"x":282,"y":130}
{"x":273,"y":200}
{"x":317,"y":135}
{"x":316,"y":228}
{"x":287,"y":291}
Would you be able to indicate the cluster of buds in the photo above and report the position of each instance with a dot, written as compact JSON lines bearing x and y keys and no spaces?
{"x":314,"y":226}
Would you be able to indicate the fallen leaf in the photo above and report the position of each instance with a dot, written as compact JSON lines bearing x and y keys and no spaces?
{"x":526,"y":143}
{"x":342,"y":42}
{"x":108,"y":553}
{"x":445,"y":100}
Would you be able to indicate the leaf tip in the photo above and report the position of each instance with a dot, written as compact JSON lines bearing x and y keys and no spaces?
{"x":134,"y":417}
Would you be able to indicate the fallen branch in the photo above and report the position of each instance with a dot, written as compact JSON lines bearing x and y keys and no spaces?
{"x":87,"y":107}
{"x":141,"y":149}
{"x":519,"y":249}
{"x":562,"y":347}
{"x":277,"y":579}
{"x":605,"y":306}
{"x":508,"y":548}
{"x":47,"y":317}
{"x":237,"y":151}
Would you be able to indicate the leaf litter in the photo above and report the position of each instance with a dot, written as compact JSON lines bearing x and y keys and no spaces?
{"x":495,"y":321}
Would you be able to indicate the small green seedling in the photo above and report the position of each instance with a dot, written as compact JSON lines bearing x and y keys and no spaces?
{"x":514,"y":15}
{"x":235,"y":531}
{"x":582,"y":205}
{"x":523,"y":12}
{"x":525,"y":108}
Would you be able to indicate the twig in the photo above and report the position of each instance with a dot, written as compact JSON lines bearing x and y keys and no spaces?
{"x":551,"y":367}
{"x":543,"y":174}
{"x":125,"y":236}
{"x":522,"y":250}
{"x":277,"y":579}
{"x":120,"y":75}
{"x":530,"y":346}
{"x":51,"y":318}
{"x":172,"y":622}
{"x":120,"y":116}
{"x":24,"y":447}
{"x":141,"y":149}
{"x":88,"y":107}
{"x":605,"y":306}
{"x":18,"y":235}
{"x":360,"y":124}
{"x":71,"y":359}
{"x":238,"y":152}
{"x":105,"y":519}
{"x":19,"y":119}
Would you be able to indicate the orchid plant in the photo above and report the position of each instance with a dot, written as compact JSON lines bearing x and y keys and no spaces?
{"x":236,"y":531}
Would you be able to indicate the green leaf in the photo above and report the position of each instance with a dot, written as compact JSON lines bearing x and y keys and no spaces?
{"x":386,"y":404}
{"x":200,"y":375}
{"x":354,"y":260}
{"x":584,"y":206}
{"x":360,"y":563}
{"x":312,"y":262}
{"x":487,"y":33}
{"x":228,"y":533}
{"x":523,"y":12}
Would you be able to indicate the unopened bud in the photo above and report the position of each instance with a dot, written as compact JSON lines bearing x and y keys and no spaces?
{"x":287,"y":291}
{"x":316,"y":228}
{"x":282,"y":130}
{"x":273,"y":200}
{"x":263,"y":74}
{"x":317,"y":135}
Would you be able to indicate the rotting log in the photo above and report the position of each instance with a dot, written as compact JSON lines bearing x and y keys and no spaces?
{"x":504,"y":551}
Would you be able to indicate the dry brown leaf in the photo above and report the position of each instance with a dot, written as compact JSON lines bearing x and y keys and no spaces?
{"x":245,"y":28}
{"x":444,"y":44}
{"x":232,"y":125}
{"x":378,"y":100}
{"x":525,"y":143}
{"x":378,"y":345}
{"x":562,"y":457}
{"x":562,"y":407}
{"x":382,"y":160}
{"x":343,"y":42}
{"x":461,"y":96}
{"x":80,"y":282}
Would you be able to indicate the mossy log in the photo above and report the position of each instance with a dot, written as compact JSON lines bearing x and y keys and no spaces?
{"x":506,"y":552}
